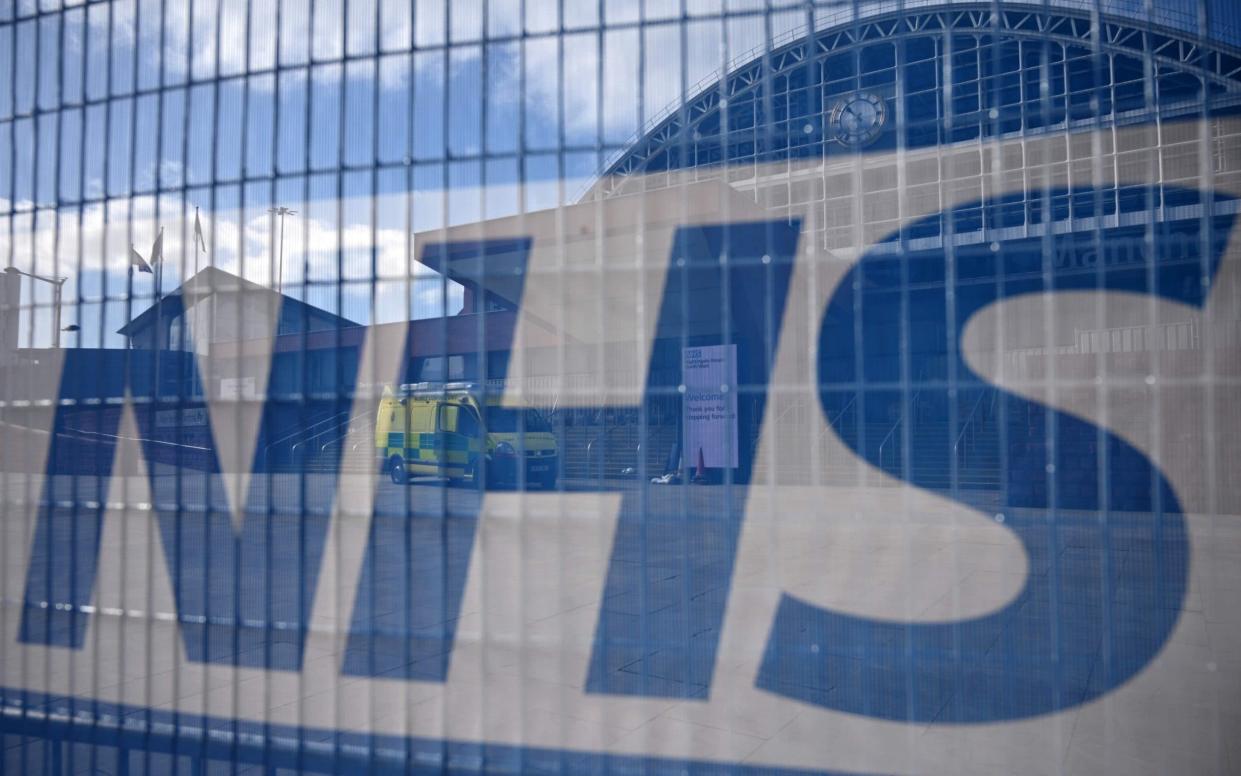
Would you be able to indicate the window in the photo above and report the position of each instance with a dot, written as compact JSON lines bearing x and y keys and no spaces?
{"x":448,"y":417}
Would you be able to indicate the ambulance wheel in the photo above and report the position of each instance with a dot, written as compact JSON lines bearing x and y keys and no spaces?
{"x":396,"y":469}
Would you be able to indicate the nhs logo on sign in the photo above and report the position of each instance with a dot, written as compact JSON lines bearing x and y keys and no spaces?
{"x":899,"y":489}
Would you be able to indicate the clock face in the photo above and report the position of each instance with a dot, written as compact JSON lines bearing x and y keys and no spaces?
{"x":859,"y":119}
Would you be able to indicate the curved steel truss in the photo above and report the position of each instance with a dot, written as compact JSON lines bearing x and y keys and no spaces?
{"x":1214,"y":63}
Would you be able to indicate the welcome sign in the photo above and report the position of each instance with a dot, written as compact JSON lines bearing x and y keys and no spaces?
{"x":710,"y":408}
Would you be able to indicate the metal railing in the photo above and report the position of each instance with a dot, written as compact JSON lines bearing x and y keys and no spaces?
{"x":76,"y":433}
{"x":833,"y":422}
{"x":895,"y":427}
{"x":299,"y":433}
{"x":597,"y":468}
{"x":967,"y":426}
{"x":346,"y":424}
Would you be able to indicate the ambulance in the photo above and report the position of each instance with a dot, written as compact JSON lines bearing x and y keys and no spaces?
{"x":456,"y":432}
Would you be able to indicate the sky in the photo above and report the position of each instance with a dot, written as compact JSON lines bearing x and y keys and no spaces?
{"x":372,"y":118}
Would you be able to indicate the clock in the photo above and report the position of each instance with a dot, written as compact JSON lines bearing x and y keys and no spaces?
{"x":858,"y":120}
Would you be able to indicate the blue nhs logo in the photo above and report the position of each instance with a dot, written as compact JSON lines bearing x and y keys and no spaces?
{"x":235,"y":525}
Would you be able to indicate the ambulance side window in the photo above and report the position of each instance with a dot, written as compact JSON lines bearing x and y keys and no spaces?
{"x":448,"y":418}
{"x":467,"y":423}
{"x":422,"y":418}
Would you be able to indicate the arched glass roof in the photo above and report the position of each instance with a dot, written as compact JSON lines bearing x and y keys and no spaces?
{"x":947,"y":73}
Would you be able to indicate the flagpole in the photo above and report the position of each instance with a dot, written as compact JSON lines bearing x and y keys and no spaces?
{"x":281,"y":211}
{"x":129,"y":302}
{"x":159,"y":267}
{"x":197,"y":238}
{"x":157,"y":260}
{"x":135,"y":260}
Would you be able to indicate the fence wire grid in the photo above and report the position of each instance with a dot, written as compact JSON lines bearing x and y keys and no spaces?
{"x":620,"y":387}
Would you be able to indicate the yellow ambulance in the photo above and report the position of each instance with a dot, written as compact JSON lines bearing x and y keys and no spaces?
{"x":449,"y":430}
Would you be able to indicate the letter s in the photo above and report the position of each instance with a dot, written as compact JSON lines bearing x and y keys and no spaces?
{"x":1100,"y":524}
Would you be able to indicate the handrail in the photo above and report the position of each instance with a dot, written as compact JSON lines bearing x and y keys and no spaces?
{"x":590,"y":446}
{"x":887,"y":438}
{"x":67,"y":431}
{"x":312,"y":426}
{"x":897,"y":425}
{"x":299,"y":432}
{"x":348,"y":431}
{"x":590,"y":459}
{"x":787,"y":409}
{"x":968,"y":420}
{"x":334,"y":427}
{"x":831,"y":423}
{"x":602,"y":435}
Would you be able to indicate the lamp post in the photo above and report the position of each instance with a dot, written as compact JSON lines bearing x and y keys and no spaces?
{"x":58,"y":285}
{"x":281,"y":211}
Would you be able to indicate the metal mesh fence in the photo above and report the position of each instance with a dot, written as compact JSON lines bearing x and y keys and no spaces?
{"x":619,"y":387}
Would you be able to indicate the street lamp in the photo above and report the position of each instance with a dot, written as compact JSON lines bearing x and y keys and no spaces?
{"x":281,"y":211}
{"x":58,"y":285}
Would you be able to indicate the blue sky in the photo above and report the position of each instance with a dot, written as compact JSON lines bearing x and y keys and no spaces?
{"x":295,"y":102}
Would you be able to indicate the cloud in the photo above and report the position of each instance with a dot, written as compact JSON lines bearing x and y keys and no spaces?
{"x":593,"y":81}
{"x":366,"y":272}
{"x":232,"y":37}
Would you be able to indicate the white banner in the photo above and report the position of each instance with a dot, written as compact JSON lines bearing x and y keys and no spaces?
{"x":709,"y":406}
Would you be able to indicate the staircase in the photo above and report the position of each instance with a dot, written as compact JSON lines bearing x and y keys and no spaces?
{"x":318,"y":446}
{"x":974,"y":445}
{"x":595,"y":452}
{"x":337,"y":448}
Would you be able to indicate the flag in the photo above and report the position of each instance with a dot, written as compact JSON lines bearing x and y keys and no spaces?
{"x":136,"y":260}
{"x":199,"y":242}
{"x":157,"y":249}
